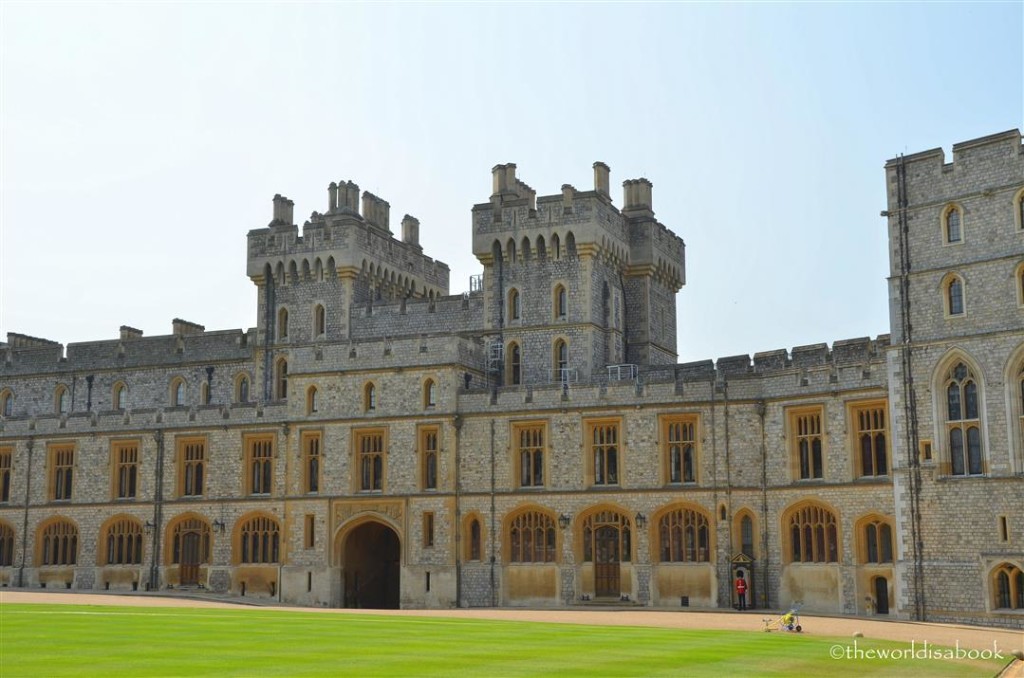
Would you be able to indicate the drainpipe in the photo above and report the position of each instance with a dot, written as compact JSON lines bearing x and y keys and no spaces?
{"x":761,"y":411}
{"x":457,"y":425}
{"x":24,"y":522}
{"x":158,"y":495}
{"x":88,"y":392}
{"x":494,"y":599}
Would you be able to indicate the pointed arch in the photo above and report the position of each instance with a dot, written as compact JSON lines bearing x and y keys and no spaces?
{"x":542,"y":250}
{"x":188,"y":533}
{"x":954,"y":295}
{"x":57,"y":542}
{"x":281,"y":379}
{"x":61,"y":399}
{"x":952,"y":223}
{"x":746,"y":532}
{"x":6,"y":544}
{"x":570,"y":244}
{"x":6,"y":403}
{"x":959,"y":390}
{"x":1013,"y":377}
{"x":683,"y":533}
{"x":119,"y":396}
{"x":178,"y":392}
{"x":875,"y":543}
{"x":120,"y":541}
{"x":257,"y":540}
{"x":530,"y":535}
{"x":810,"y":533}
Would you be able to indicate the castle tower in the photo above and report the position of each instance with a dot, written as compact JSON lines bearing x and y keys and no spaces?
{"x":308,"y":284}
{"x":571,"y":284}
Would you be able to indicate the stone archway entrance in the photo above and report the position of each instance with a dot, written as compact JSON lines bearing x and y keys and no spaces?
{"x":371,"y":557}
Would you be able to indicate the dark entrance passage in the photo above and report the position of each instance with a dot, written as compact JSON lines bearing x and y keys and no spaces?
{"x":371,"y":560}
{"x":881,"y":595}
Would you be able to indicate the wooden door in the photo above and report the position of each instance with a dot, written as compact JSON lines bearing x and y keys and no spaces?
{"x":606,"y":562}
{"x":189,"y":574}
{"x":881,"y":595}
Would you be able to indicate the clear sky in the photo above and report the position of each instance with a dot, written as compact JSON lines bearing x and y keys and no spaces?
{"x":142,"y":141}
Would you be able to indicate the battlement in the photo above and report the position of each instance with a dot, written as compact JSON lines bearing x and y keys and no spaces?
{"x":15,"y":340}
{"x":1009,"y":141}
{"x":460,"y":313}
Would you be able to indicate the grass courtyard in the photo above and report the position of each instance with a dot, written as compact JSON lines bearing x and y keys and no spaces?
{"x":86,"y":640}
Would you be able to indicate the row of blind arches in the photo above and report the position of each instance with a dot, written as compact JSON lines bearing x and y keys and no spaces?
{"x":522,"y":252}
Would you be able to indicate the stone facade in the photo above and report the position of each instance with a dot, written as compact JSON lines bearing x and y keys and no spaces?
{"x":375,"y":441}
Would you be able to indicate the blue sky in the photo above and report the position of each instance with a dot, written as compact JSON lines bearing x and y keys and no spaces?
{"x":140,"y":142}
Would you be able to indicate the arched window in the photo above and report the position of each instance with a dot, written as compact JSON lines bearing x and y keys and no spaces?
{"x":813,"y":535}
{"x":120,"y":396}
{"x":531,"y":538}
{"x":190,"y":537}
{"x":260,"y":540}
{"x":870,"y":429}
{"x":370,"y":397}
{"x":282,"y":323}
{"x":204,"y":393}
{"x":178,"y":392}
{"x":124,"y":542}
{"x":683,"y":537}
{"x":429,"y":393}
{"x":556,"y":247}
{"x":281,"y":380}
{"x":61,"y":400}
{"x":6,"y":403}
{"x":511,"y":251}
{"x":747,"y":544}
{"x":561,"y":355}
{"x":319,"y":321}
{"x":6,"y":545}
{"x":561,"y":302}
{"x":514,"y":373}
{"x":1008,"y":587}
{"x":951,"y":218}
{"x":242,"y":389}
{"x":953,"y":288}
{"x":1018,"y":209}
{"x":963,"y":422}
{"x":311,"y":400}
{"x":58,"y":543}
{"x":877,"y":536}
{"x":513,"y":304}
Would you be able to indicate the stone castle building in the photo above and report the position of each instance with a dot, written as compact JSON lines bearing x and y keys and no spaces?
{"x":375,"y":441}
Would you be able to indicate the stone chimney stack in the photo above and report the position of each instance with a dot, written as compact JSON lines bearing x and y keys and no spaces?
{"x":130,"y":333}
{"x":511,"y":183}
{"x":602,"y":174}
{"x":183,"y":327}
{"x":332,"y":198}
{"x":568,"y":195}
{"x":498,"y":180}
{"x":283,"y":210}
{"x":411,"y":231}
{"x":351,"y":196}
{"x":637,"y":196}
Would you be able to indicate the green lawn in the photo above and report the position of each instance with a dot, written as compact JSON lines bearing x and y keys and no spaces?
{"x":64,"y":640}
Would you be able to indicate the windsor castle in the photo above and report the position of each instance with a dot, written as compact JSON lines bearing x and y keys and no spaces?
{"x":378,"y":442}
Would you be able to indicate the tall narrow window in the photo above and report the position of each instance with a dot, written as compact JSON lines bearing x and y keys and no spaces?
{"x":370,"y":397}
{"x":6,"y":453}
{"x":120,"y":394}
{"x":603,"y":444}
{"x":6,"y":545}
{"x":61,"y":400}
{"x":260,"y":541}
{"x":474,"y":540}
{"x":1008,"y":587}
{"x":370,"y":460}
{"x":204,"y":393}
{"x":62,"y":463}
{"x":190,"y":543}
{"x":242,"y":389}
{"x":428,"y":529}
{"x":428,"y":445}
{"x":871,"y":439}
{"x":311,"y":461}
{"x":529,"y":449}
{"x":281,"y":383}
{"x":952,"y":224}
{"x":311,"y":400}
{"x":514,"y":366}
{"x":963,"y":424}
{"x":178,"y":392}
{"x":747,"y":535}
{"x":124,"y":542}
{"x":429,"y":393}
{"x":126,"y":470}
{"x":561,"y":361}
{"x":192,"y":461}
{"x":684,"y":537}
{"x":513,"y":304}
{"x":679,"y":443}
{"x":282,"y":323}
{"x":6,"y":403}
{"x":805,"y":427}
{"x":309,"y":540}
{"x":561,"y":302}
{"x":954,"y":296}
{"x":319,"y":321}
{"x":260,"y":452}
